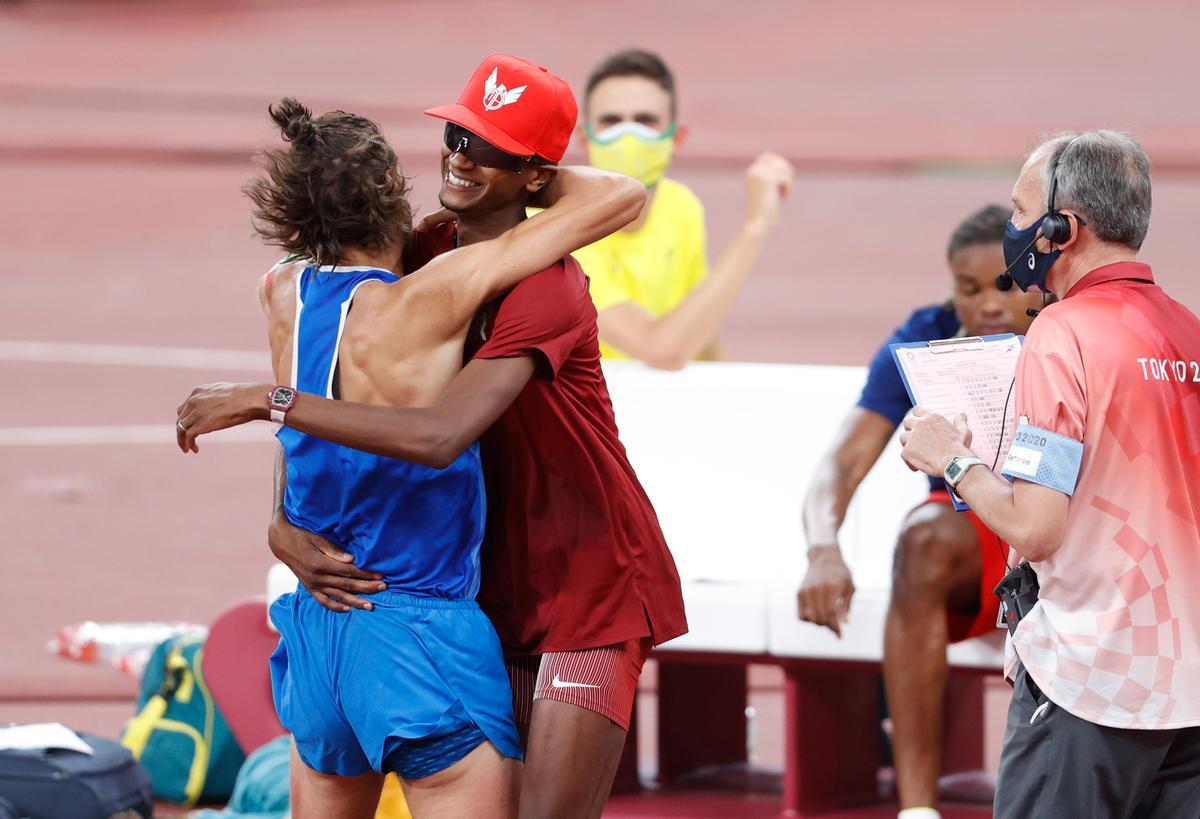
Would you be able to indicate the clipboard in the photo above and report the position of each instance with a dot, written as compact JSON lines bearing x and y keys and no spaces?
{"x":975,"y":375}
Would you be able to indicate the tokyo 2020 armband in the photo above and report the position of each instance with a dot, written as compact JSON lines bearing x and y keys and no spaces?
{"x":1044,"y":458}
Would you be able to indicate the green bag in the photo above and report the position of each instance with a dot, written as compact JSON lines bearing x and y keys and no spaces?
{"x":177,"y":734}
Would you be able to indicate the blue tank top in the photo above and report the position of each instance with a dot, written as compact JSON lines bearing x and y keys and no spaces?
{"x":420,"y":528}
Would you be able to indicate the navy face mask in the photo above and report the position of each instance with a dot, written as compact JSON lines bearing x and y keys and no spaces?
{"x":1027,"y":265}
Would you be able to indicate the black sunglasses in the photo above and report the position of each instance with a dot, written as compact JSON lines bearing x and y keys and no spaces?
{"x":477,"y":149}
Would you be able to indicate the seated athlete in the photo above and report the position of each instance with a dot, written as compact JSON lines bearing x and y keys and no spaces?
{"x":947,"y":562}
{"x":577,"y":576}
{"x":417,"y":685}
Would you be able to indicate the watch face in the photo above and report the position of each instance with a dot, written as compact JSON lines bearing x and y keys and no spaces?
{"x":283,"y":397}
{"x":953,"y":471}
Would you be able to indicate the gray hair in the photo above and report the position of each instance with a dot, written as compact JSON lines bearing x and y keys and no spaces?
{"x":1105,"y":176}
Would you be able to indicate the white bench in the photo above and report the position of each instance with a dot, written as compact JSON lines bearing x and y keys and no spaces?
{"x":726,"y":453}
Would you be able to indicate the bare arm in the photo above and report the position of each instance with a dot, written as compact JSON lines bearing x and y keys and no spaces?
{"x":433,"y":436}
{"x":671,"y":340}
{"x":825,"y":594}
{"x":857,"y":447}
{"x":586,"y":205}
{"x":1030,"y":517}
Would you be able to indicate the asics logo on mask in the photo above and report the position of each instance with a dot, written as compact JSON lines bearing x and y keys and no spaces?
{"x":1020,"y":243}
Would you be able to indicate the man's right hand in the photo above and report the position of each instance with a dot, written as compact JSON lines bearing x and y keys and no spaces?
{"x":824,"y":596}
{"x":211,"y":407}
{"x":768,"y":181}
{"x":325,"y":570}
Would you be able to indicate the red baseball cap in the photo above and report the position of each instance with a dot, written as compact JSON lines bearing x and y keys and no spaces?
{"x":518,"y":106}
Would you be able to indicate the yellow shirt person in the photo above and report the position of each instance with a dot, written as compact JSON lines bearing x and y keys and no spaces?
{"x":657,"y":300}
{"x":655,"y":266}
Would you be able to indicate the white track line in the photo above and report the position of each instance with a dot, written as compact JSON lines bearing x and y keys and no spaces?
{"x":125,"y":435}
{"x":128,"y":355}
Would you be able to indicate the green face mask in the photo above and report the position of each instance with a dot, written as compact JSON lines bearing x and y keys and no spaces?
{"x":632,"y":149}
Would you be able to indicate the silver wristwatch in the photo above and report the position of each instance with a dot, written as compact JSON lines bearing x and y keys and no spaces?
{"x":957,"y":468}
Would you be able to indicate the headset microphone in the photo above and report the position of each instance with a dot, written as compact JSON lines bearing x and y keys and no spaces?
{"x":1032,"y":312}
{"x":1005,"y":281}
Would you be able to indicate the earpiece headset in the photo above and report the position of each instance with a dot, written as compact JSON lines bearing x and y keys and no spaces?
{"x":1056,"y":227}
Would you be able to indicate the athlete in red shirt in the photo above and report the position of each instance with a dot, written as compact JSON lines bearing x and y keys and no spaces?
{"x":578,"y":579}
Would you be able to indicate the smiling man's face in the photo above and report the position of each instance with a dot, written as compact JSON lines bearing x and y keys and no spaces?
{"x":468,"y":186}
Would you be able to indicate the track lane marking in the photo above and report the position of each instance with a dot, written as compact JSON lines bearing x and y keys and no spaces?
{"x":132,"y":355}
{"x":127,"y":434}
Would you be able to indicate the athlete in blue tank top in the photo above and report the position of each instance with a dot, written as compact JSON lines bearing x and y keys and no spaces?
{"x":419,"y":528}
{"x":415,"y":682}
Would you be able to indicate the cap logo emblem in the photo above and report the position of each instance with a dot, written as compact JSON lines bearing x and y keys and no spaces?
{"x":496,"y":95}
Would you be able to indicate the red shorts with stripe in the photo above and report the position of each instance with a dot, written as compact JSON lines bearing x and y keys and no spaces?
{"x":602,"y":679}
{"x":993,"y":552}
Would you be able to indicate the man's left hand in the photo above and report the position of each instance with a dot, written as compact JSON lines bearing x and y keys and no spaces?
{"x":431,"y":220}
{"x":211,"y":407}
{"x":930,"y":440}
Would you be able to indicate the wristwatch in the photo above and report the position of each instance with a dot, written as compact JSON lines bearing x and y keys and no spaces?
{"x":958,"y":467}
{"x":281,"y":400}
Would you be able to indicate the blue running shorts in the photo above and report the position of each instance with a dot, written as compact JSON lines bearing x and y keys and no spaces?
{"x":413,"y":686}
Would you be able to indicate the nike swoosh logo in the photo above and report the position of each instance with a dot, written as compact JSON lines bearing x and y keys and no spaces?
{"x":557,"y":683}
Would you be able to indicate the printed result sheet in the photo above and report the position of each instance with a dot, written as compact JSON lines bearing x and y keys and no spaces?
{"x":971,"y":375}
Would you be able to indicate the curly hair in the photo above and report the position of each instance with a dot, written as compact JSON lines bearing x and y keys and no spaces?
{"x":336,"y":186}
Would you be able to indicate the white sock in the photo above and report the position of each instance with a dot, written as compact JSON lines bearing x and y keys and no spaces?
{"x":919,"y":813}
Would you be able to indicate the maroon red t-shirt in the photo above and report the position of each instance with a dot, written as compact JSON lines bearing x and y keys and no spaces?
{"x":574,"y":556}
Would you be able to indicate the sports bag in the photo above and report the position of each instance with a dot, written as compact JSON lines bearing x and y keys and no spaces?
{"x":54,"y":783}
{"x":178,"y":735}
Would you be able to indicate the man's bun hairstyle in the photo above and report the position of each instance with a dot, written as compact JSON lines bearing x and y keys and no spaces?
{"x":294,"y":120}
{"x":336,"y":186}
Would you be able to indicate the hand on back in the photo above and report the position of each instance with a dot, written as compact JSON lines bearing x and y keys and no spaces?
{"x":325,"y":570}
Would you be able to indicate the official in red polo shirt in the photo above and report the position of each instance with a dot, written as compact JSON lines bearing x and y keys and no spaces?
{"x":1104,"y":503}
{"x":577,"y":577}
